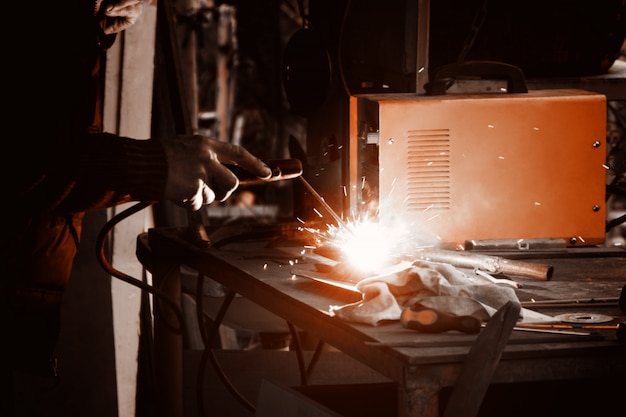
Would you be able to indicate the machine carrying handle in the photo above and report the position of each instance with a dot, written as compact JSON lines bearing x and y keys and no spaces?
{"x":446,"y":75}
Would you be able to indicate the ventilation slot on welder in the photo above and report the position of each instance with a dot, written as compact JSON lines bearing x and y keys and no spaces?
{"x":428,"y":170}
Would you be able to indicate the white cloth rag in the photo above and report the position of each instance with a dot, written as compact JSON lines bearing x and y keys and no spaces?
{"x":442,"y":285}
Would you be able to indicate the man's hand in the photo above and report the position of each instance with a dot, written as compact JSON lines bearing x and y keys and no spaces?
{"x":120,"y":14}
{"x":196,"y":174}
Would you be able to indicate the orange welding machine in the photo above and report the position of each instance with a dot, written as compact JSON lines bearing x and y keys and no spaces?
{"x":488,"y":166}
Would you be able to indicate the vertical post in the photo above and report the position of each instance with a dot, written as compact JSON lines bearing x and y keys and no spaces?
{"x":188,"y":51}
{"x":127,"y":112}
{"x":225,"y":48}
{"x":168,"y":343}
{"x":353,"y":183}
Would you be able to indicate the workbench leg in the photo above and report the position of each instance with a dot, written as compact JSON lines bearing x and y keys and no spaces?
{"x":418,"y":402}
{"x":168,"y":341}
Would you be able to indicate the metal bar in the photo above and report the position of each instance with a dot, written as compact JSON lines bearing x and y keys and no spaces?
{"x":324,"y":204}
{"x":493,"y":264}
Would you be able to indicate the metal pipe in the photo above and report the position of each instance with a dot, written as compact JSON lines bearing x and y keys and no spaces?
{"x":493,"y":264}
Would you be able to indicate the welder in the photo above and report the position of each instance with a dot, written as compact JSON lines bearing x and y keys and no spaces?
{"x":59,"y":164}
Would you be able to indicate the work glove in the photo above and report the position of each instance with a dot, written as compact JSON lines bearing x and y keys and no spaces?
{"x":196,"y":174}
{"x":118,"y":15}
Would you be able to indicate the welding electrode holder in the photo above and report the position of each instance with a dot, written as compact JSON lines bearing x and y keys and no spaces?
{"x":282,"y":169}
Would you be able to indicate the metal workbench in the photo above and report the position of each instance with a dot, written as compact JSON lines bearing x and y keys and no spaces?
{"x":421,"y":365}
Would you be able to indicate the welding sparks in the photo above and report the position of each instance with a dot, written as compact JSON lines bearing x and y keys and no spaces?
{"x":368,"y":248}
{"x":365,"y":246}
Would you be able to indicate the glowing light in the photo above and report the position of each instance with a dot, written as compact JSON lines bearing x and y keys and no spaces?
{"x":264,"y":267}
{"x":367,"y":247}
{"x":490,"y":126}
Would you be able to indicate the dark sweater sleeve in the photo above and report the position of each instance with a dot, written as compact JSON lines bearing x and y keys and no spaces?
{"x":126,"y":169}
{"x":100,"y":171}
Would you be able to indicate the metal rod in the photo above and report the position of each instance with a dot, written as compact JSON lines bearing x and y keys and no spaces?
{"x":603,"y":300}
{"x":493,"y":264}
{"x":324,"y":204}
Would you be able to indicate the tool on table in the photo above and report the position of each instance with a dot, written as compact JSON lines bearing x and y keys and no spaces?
{"x":430,"y":320}
{"x":493,"y":264}
{"x":552,"y":331}
{"x":581,"y":302}
{"x":551,"y":336}
{"x":282,"y":169}
{"x":515,"y":244}
{"x":583,"y":318}
{"x":620,"y":328}
{"x":572,"y":302}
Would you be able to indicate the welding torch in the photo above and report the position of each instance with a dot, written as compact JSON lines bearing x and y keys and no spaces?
{"x":282,"y":169}
{"x":489,"y":263}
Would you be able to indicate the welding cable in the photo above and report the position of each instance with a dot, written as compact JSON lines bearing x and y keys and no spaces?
{"x":208,"y":354}
{"x":204,"y":335}
{"x":615,"y":222}
{"x":477,"y":24}
{"x":342,"y":75}
{"x":101,"y":239}
{"x":616,"y":187}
